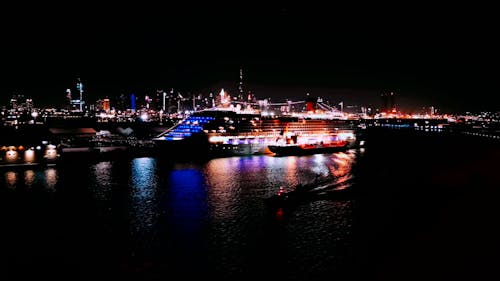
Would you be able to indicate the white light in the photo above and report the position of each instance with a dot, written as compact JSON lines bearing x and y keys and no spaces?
{"x":29,"y":155}
{"x":214,"y":139}
{"x":51,"y":153}
{"x":144,"y":117}
{"x":34,"y":114}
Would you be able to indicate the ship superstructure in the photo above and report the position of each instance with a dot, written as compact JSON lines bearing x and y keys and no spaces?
{"x":227,"y":133}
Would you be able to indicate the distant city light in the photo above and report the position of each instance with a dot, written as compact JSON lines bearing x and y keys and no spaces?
{"x":11,"y":155}
{"x":51,"y":152}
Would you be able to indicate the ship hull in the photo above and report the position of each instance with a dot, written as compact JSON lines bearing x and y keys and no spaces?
{"x":228,"y":150}
{"x":284,"y":150}
{"x":196,"y":147}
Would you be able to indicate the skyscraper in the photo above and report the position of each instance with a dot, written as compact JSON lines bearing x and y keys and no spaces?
{"x":392,"y":103}
{"x":241,"y":93}
{"x":388,"y":102}
{"x":132,"y":102}
{"x":79,"y":87}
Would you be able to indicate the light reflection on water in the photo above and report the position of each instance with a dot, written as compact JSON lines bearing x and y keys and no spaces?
{"x":209,"y":219}
{"x":29,"y":177}
{"x":320,"y":165}
{"x":101,"y":180}
{"x":51,"y":178}
{"x":186,"y":199}
{"x":212,"y":215}
{"x":236,"y":188}
{"x":143,"y":204}
{"x":308,"y":239}
{"x":47,"y":179}
{"x":11,"y":179}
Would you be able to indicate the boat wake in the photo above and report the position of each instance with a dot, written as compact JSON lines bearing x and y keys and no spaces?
{"x":326,"y":189}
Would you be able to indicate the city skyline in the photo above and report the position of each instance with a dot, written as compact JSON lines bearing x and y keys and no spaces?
{"x":428,"y":57}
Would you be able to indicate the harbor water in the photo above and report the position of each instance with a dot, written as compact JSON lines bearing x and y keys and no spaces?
{"x":419,"y":210}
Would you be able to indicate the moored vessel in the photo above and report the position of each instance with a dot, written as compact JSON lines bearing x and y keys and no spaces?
{"x":239,"y":130}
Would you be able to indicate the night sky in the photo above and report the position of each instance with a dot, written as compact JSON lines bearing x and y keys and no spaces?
{"x":428,"y":55}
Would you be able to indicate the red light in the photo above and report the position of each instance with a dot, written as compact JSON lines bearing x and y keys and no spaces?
{"x":281,"y":191}
{"x":279,"y":214}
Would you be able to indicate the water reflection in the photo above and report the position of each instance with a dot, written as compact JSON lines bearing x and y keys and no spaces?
{"x":187,"y":199}
{"x":11,"y":179}
{"x":224,"y":184}
{"x":50,"y":179}
{"x":234,"y":192}
{"x":29,"y":178}
{"x":320,"y":165}
{"x":236,"y":188}
{"x":212,"y":216}
{"x":341,"y":166}
{"x":47,"y":179}
{"x":281,"y":169}
{"x":143,"y":183}
{"x":102,"y":180}
{"x":316,"y":235}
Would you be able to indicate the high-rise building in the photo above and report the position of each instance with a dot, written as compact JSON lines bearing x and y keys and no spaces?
{"x":388,"y":102}
{"x":121,"y":102}
{"x":106,"y":105}
{"x":79,"y":87}
{"x":241,"y":93}
{"x":29,"y":104}
{"x":103,"y":104}
{"x":392,"y":103}
{"x":14,"y":101}
{"x":21,"y":103}
{"x":132,"y":102}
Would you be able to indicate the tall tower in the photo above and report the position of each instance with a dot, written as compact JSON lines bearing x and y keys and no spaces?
{"x":132,"y":102}
{"x":240,"y":86}
{"x":106,"y":105}
{"x":164,"y":96}
{"x":392,"y":103}
{"x":79,"y":86}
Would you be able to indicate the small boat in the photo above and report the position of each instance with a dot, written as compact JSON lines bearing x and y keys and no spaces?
{"x":320,"y":189}
{"x":314,"y":148}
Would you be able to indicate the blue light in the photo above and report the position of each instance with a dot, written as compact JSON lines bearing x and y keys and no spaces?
{"x":132,"y":101}
{"x":187,"y":199}
{"x":192,"y":125}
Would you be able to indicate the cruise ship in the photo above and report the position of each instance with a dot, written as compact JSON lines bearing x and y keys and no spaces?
{"x":224,"y":132}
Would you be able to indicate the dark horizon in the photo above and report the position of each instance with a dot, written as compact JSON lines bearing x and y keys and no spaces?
{"x":438,"y":57}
